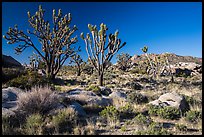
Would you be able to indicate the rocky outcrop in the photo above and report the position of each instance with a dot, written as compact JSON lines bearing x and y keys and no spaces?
{"x":187,"y":68}
{"x":87,"y":97}
{"x":171,"y":99}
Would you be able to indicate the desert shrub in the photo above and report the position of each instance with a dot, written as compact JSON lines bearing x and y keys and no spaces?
{"x":153,"y":110}
{"x":11,"y":73}
{"x":7,"y":129}
{"x":127,"y":111}
{"x":192,"y":101}
{"x":154,"y":129}
{"x":38,"y":100}
{"x":169,"y":113}
{"x":181,"y":127}
{"x":88,"y":69}
{"x":28,"y":80}
{"x":111,"y":114}
{"x":123,"y":128}
{"x":94,"y":89}
{"x":34,"y":125}
{"x":165,"y":112}
{"x":142,"y":119}
{"x":134,"y":85}
{"x":65,"y":120}
{"x":138,"y":98}
{"x":137,"y":70}
{"x":88,"y":129}
{"x":193,"y":116}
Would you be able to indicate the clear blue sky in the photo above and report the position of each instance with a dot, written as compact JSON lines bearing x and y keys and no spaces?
{"x":174,"y":27}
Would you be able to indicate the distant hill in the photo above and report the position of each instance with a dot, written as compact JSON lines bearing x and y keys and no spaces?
{"x":8,"y":61}
{"x":173,"y":58}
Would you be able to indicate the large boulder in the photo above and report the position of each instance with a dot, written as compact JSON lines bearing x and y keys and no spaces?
{"x":171,"y":99}
{"x":119,"y":98}
{"x":78,"y":108}
{"x":10,"y":94}
{"x":9,"y":100}
{"x":86,"y":97}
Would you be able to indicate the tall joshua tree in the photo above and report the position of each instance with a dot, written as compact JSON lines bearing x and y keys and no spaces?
{"x":56,"y":41}
{"x":78,"y":61}
{"x":98,"y":53}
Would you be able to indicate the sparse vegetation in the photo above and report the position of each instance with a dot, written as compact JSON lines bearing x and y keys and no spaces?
{"x":193,"y":116}
{"x":38,"y":100}
{"x":96,"y":96}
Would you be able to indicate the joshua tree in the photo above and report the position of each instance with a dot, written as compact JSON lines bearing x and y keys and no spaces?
{"x":152,"y":68}
{"x":56,"y":41}
{"x":158,"y":64}
{"x":78,"y":61}
{"x":34,"y":61}
{"x":98,"y":53}
{"x":123,"y":61}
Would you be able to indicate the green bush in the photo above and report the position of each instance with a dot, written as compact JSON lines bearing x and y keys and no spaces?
{"x":34,"y":125}
{"x":137,"y":70}
{"x":192,"y":101}
{"x":28,"y":80}
{"x":154,"y":129}
{"x":11,"y":73}
{"x":141,"y":119}
{"x":165,"y":112}
{"x":193,"y":116}
{"x":181,"y":127}
{"x":138,"y":98}
{"x":111,"y":114}
{"x":65,"y":120}
{"x":153,"y":110}
{"x":127,"y":111}
{"x":169,"y":113}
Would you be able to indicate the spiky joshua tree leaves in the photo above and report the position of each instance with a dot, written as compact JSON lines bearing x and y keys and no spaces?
{"x":55,"y":40}
{"x":100,"y":53}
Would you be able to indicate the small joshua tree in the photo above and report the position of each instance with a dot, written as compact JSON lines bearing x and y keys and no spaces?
{"x":78,"y":61}
{"x":152,"y":67}
{"x":56,"y":41}
{"x":158,"y":64}
{"x":34,"y":61}
{"x":123,"y":61}
{"x":98,"y":53}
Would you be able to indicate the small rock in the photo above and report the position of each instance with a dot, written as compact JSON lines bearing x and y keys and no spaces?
{"x":105,"y":91}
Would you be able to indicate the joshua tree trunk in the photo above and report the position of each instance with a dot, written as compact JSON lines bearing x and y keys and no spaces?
{"x":79,"y":70}
{"x":100,"y":77}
